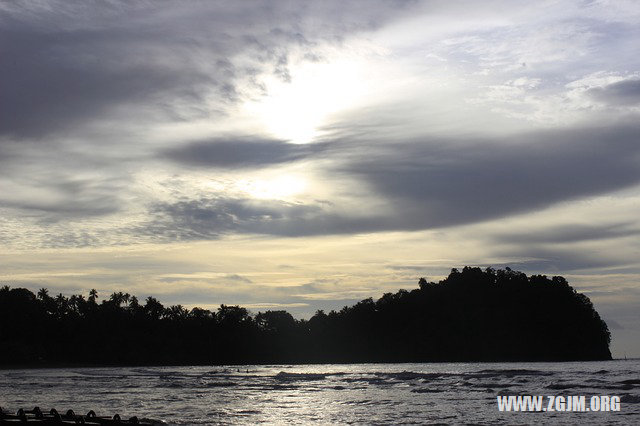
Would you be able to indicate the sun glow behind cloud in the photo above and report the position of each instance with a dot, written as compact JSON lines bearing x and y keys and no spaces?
{"x":296,"y":110}
{"x":278,"y":187}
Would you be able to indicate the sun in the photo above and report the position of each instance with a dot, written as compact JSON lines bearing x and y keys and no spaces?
{"x":297,"y":110}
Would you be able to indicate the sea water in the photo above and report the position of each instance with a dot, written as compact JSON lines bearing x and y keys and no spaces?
{"x":447,"y":393}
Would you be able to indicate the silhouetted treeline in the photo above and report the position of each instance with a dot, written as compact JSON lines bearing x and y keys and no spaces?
{"x":472,"y":315}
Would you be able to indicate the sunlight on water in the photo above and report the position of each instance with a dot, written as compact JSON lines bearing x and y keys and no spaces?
{"x":326,"y":394}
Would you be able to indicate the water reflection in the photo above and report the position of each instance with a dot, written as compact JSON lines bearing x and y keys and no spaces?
{"x":360,"y":393}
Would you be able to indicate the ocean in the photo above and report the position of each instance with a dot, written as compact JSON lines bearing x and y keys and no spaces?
{"x":426,"y":393}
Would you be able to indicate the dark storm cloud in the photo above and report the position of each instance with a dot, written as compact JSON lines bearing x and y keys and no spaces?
{"x":623,"y":93}
{"x":238,"y":153}
{"x":435,"y":184}
{"x":211,"y":218}
{"x":66,"y":64}
{"x":430,"y":184}
{"x":54,"y":79}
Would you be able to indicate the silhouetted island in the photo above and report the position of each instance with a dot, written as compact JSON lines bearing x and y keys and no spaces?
{"x":472,"y":315}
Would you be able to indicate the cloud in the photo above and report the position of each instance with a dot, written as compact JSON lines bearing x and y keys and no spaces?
{"x":569,"y":233}
{"x":65,"y":199}
{"x":613,"y":325}
{"x":373,"y":186}
{"x":68,"y":65}
{"x":52,"y":183}
{"x":238,"y":278}
{"x":140,"y":64}
{"x":451,"y":182}
{"x":209,"y":218}
{"x":58,"y":79}
{"x":212,"y":218}
{"x":552,"y":261}
{"x":239,"y":153}
{"x":423,"y":184}
{"x":623,"y":93}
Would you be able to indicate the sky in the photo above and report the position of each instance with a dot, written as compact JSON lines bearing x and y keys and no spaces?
{"x":305,"y":155}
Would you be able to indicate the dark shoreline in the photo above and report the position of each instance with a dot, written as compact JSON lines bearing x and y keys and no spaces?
{"x":471,"y":316}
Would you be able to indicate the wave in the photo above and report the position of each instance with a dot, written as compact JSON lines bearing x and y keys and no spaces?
{"x":427,"y":390}
{"x":562,"y":386}
{"x":284,"y":376}
{"x":630,"y":399}
{"x":221,"y":384}
{"x":405,"y":376}
{"x":509,"y":373}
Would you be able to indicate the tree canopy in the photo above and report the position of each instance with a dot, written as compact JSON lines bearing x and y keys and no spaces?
{"x":472,"y":315}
